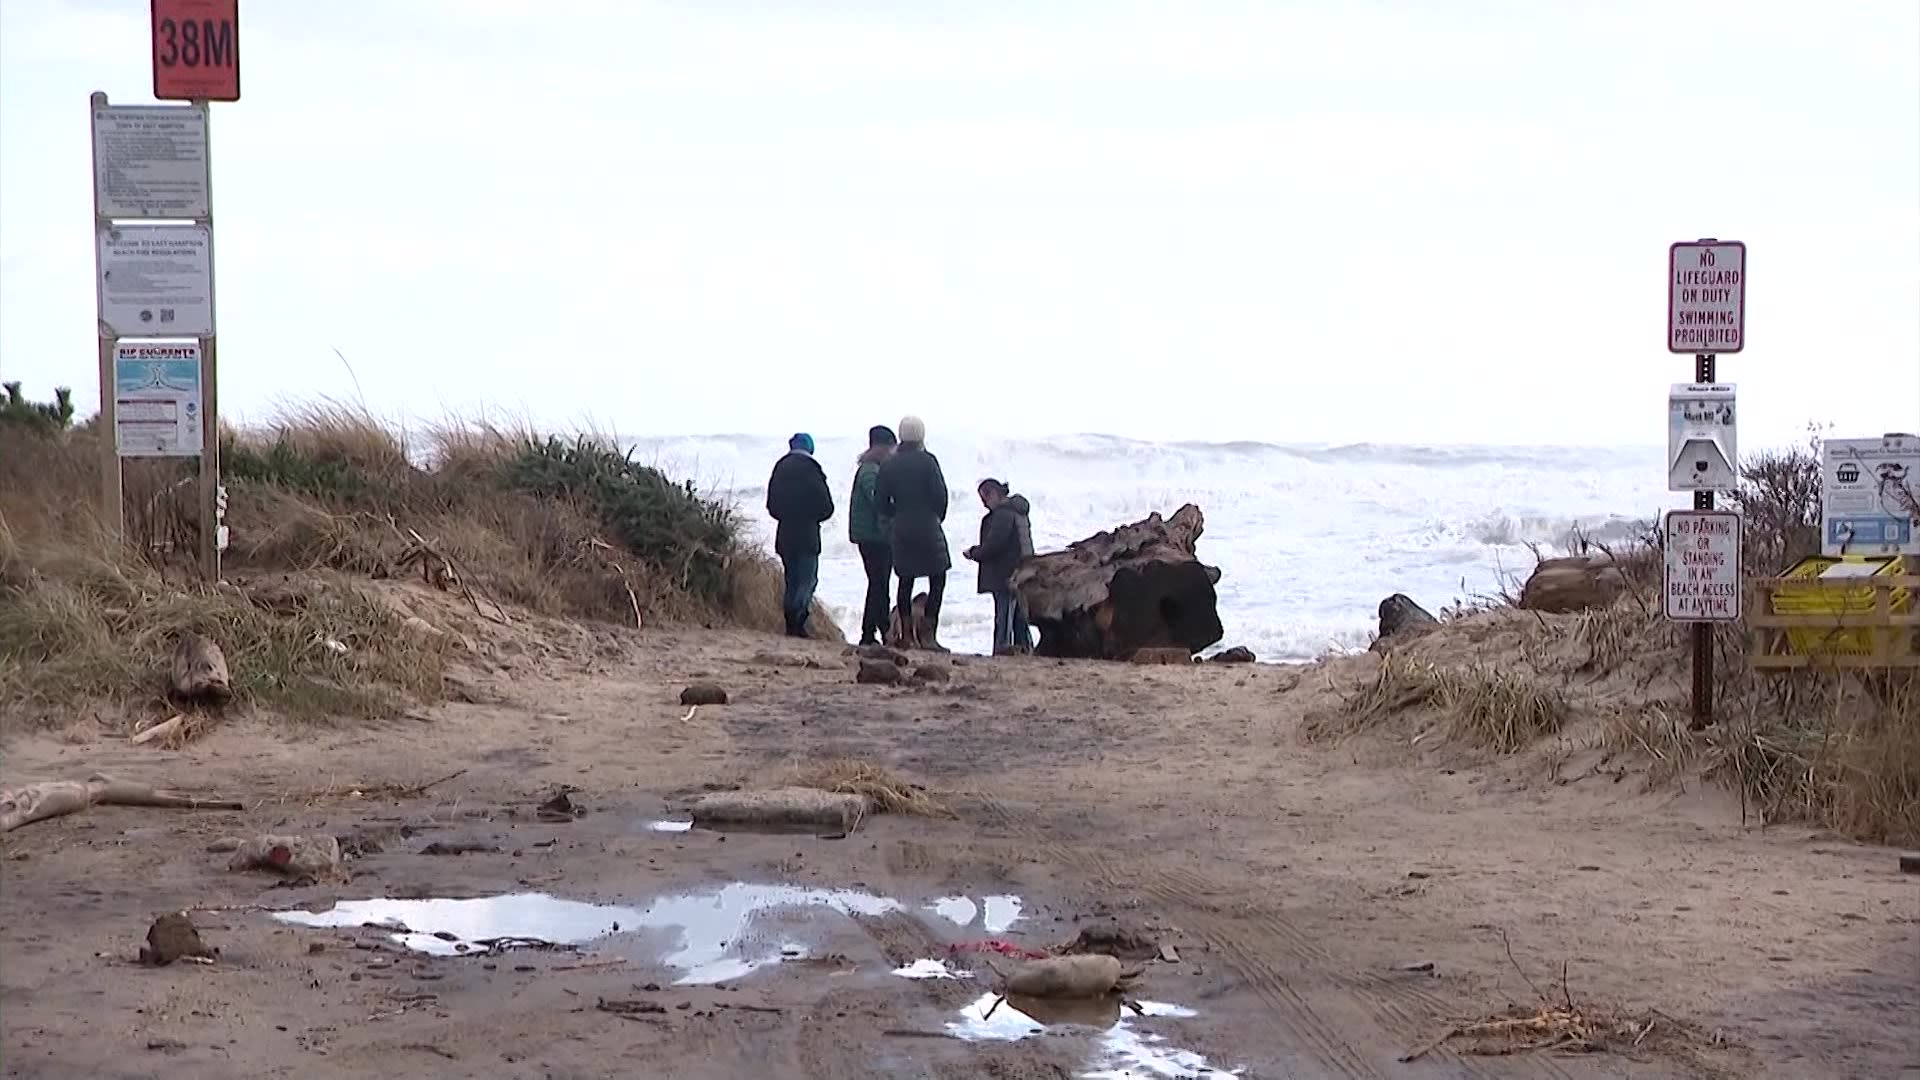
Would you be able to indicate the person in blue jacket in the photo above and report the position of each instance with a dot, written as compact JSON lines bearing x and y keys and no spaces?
{"x":799,"y":499}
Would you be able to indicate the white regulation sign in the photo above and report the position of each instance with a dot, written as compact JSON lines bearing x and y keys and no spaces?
{"x":150,"y":161}
{"x":156,"y":281}
{"x":1703,"y":566}
{"x":1707,"y":297}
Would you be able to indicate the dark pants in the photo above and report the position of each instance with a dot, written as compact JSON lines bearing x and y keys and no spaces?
{"x":1022,"y":631}
{"x":878,"y":559}
{"x":1006,"y":607}
{"x":936,"y":588}
{"x":803,"y":576}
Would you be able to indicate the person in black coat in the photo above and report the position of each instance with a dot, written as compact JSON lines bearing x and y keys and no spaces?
{"x":912,"y":491}
{"x":799,"y":499}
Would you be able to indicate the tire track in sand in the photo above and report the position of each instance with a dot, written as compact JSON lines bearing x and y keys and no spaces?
{"x":1306,"y":1029}
{"x":1398,"y":1008}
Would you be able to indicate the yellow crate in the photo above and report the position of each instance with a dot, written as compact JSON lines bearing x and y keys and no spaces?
{"x":1836,"y":601}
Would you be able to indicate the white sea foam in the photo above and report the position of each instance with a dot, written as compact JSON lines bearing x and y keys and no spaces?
{"x":1308,"y":538}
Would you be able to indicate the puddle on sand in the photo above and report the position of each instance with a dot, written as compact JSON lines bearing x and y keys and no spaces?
{"x":1124,"y":1052}
{"x":931,"y":969}
{"x":982,"y":1021}
{"x":713,"y":923}
{"x":716,"y":928}
{"x":1127,"y":1054}
{"x":526,"y":915}
{"x":1000,"y":912}
{"x":671,"y":826}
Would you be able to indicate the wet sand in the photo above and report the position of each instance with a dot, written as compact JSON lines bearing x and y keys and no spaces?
{"x":1326,"y":909}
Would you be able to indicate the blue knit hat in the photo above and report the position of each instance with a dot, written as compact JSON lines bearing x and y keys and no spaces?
{"x":801,"y":441}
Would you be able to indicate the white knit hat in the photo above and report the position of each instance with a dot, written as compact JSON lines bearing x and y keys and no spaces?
{"x":913,"y":429}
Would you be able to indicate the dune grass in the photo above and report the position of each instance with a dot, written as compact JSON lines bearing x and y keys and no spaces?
{"x":570,"y":528}
{"x":1830,"y":748}
{"x":1499,"y":709}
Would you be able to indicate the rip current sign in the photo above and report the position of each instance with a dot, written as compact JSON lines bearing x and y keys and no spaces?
{"x":196,"y":50}
{"x":1707,"y":297}
{"x":1703,"y":566}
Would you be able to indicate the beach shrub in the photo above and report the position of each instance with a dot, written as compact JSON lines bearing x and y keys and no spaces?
{"x":1779,"y":500}
{"x":668,"y":524}
{"x":17,"y":410}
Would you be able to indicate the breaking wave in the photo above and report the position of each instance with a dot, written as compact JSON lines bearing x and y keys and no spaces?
{"x":1308,"y":537}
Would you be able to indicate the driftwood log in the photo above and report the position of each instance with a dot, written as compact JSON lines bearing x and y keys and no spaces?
{"x":789,"y":807}
{"x":52,"y":798}
{"x":1573,"y":583}
{"x":1139,"y":586}
{"x":199,"y":675}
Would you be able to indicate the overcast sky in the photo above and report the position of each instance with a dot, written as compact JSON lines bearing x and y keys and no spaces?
{"x":1441,"y":221}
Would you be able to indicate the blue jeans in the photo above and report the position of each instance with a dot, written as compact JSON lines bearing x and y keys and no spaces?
{"x":1006,"y":607}
{"x":796,"y":601}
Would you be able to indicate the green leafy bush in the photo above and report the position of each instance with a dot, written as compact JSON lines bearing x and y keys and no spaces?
{"x":666,"y":523}
{"x":282,"y":464}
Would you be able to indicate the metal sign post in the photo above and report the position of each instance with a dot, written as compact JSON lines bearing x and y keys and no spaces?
{"x":1706,"y":316}
{"x":210,"y":386}
{"x":196,"y":57}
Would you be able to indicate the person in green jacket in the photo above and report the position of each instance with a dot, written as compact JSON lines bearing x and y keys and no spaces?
{"x":872,"y":532}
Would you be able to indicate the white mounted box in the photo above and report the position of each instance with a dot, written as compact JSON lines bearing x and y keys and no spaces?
{"x":1702,"y":443}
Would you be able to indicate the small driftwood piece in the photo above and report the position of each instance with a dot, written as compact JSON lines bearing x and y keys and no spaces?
{"x":165,"y":729}
{"x":1088,"y":975}
{"x":787,"y":807}
{"x":603,"y":551}
{"x":439,"y":570}
{"x":54,"y":798}
{"x":199,"y":675}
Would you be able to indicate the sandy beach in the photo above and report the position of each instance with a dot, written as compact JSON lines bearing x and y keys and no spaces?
{"x":1315,"y":908}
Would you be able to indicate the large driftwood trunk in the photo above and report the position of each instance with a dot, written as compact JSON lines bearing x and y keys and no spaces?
{"x":53,"y":798}
{"x":1138,"y":586}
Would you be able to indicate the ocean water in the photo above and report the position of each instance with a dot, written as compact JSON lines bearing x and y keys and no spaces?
{"x":1308,"y":539}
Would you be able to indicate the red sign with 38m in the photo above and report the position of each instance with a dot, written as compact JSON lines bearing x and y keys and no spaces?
{"x":196,"y":50}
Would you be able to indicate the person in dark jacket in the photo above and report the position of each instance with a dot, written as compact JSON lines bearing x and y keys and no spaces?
{"x":871,"y":532}
{"x":798,"y":498}
{"x":913,"y":492}
{"x":998,"y":553}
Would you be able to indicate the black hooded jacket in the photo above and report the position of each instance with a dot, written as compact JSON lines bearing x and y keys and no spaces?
{"x":1005,"y":538}
{"x":799,"y":499}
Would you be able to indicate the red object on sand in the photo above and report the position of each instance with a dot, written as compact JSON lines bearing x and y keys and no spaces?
{"x":1004,"y":948}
